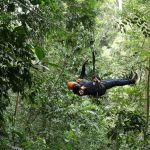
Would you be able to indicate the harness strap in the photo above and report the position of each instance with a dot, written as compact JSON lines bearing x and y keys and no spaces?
{"x":98,"y":82}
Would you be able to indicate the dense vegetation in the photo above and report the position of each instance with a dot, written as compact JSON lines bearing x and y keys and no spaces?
{"x":43,"y":45}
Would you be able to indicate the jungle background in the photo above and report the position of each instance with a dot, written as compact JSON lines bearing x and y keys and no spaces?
{"x":43,"y":44}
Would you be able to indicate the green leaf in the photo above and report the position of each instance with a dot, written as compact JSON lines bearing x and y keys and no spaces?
{"x":54,"y":65}
{"x":19,"y":30}
{"x":39,"y":52}
{"x":145,"y":53}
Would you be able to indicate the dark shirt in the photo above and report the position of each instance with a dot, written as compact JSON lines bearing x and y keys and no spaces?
{"x":89,"y":88}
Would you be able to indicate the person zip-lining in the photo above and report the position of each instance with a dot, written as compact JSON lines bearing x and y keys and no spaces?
{"x":97,"y":87}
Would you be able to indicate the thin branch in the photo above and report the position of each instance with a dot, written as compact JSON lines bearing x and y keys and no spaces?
{"x":14,"y":117}
{"x":148,"y":94}
{"x":16,"y":107}
{"x":28,"y":8}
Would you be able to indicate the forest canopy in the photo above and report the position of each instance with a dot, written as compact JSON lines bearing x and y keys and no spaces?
{"x":44,"y":44}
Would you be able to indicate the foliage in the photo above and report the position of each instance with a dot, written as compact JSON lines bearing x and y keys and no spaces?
{"x":43,"y":46}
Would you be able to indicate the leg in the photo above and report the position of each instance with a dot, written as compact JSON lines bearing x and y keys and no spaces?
{"x":112,"y":83}
{"x":120,"y":82}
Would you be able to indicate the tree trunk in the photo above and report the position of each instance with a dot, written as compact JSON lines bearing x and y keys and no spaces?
{"x":120,"y":5}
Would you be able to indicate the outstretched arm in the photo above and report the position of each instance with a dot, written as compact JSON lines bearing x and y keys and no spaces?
{"x":93,"y":55}
{"x":82,"y":75}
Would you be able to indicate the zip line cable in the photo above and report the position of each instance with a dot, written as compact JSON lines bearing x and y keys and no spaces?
{"x":50,"y":22}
